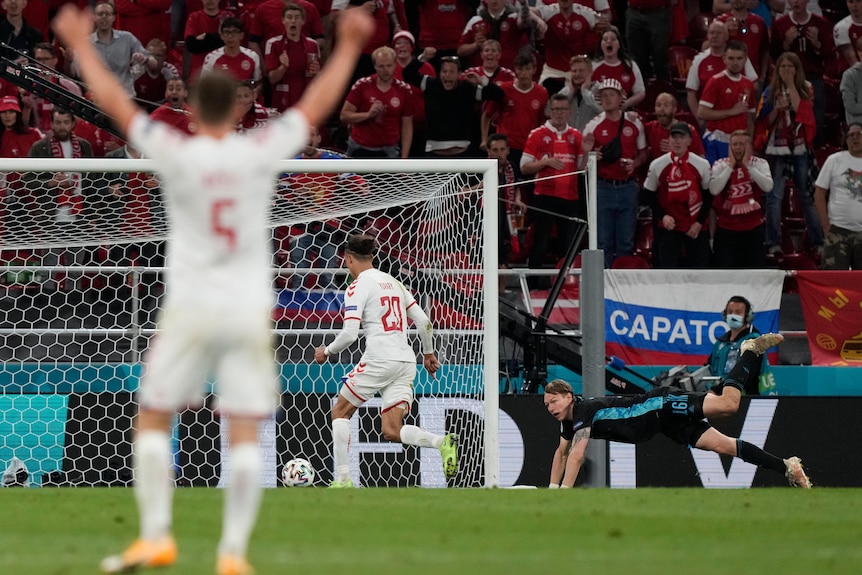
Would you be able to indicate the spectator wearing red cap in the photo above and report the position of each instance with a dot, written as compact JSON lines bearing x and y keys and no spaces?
{"x":16,"y":137}
{"x":404,"y":44}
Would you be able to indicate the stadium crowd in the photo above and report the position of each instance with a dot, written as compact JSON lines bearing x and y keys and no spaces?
{"x":712,"y":122}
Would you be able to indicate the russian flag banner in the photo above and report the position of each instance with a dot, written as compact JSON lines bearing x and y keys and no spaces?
{"x":673,"y":317}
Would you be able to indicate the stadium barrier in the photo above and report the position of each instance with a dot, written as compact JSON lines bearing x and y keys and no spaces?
{"x":95,"y":428}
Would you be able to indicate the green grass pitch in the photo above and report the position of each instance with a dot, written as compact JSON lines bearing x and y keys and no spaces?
{"x":470,"y":531}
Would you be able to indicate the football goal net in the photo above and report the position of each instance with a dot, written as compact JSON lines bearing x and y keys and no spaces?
{"x":82,"y":244}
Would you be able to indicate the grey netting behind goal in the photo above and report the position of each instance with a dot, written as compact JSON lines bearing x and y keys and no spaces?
{"x":81,"y":260}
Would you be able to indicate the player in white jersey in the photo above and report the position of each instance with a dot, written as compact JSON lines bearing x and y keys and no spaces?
{"x":216,"y":318}
{"x":382,"y":305}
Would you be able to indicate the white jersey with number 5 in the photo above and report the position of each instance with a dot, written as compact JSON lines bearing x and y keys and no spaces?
{"x":218,"y":195}
{"x":381,"y":303}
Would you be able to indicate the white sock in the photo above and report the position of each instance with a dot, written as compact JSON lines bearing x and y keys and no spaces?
{"x":154,"y":483}
{"x":242,"y":498}
{"x":412,"y":435}
{"x":341,"y":447}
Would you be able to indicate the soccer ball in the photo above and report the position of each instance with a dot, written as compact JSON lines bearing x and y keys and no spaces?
{"x":297,"y":473}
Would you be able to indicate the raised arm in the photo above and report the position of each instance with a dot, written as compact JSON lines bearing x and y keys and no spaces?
{"x":354,"y":27}
{"x":73,"y":27}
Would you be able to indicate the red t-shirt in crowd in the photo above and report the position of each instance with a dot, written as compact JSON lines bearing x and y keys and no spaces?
{"x":385,"y":129}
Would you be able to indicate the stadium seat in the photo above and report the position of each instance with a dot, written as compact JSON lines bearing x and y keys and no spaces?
{"x":644,"y":239}
{"x":834,"y":101}
{"x":821,"y":154}
{"x":697,"y":27}
{"x":791,"y":208}
{"x":654,"y":87}
{"x":679,"y":61}
{"x":689,"y":118}
{"x":833,"y":131}
{"x":630,"y":263}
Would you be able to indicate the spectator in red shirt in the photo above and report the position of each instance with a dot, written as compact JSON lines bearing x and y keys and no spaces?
{"x":441,"y":23}
{"x":658,"y":131}
{"x":554,"y":153}
{"x":146,"y":19}
{"x":490,"y":67}
{"x":750,"y":28}
{"x":202,"y":35}
{"x":621,"y":145}
{"x":614,"y":62}
{"x":847,"y":33}
{"x":498,"y":21}
{"x":379,"y":109}
{"x":150,"y":86}
{"x":568,"y":34}
{"x":268,"y":22}
{"x":727,"y":103}
{"x":291,"y":59}
{"x":251,"y":114}
{"x":100,"y":139}
{"x":520,"y":111}
{"x":739,"y":183}
{"x":388,"y":15}
{"x":680,"y":203}
{"x":240,"y":62}
{"x":709,"y":63}
{"x":175,"y":111}
{"x":16,"y":137}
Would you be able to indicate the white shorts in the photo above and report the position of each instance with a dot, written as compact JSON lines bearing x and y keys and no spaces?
{"x":392,"y":379}
{"x":236,"y":352}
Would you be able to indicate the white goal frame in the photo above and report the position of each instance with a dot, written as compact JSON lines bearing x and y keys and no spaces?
{"x":486,"y":168}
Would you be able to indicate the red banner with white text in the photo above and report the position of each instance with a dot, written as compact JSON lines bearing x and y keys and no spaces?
{"x":832,"y":307}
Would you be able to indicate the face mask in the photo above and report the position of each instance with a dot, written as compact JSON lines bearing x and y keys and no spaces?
{"x":734,"y":321}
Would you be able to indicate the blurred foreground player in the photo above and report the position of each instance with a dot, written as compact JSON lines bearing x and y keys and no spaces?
{"x":216,"y":319}
{"x":668,"y":410}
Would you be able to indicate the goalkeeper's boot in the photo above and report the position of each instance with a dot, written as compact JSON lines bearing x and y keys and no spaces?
{"x":449,"y":452}
{"x":232,"y":565}
{"x":796,"y":474}
{"x":142,"y":554}
{"x":760,"y":344}
{"x":342,"y":484}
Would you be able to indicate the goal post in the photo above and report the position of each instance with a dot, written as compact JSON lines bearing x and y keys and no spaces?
{"x":81,"y":242}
